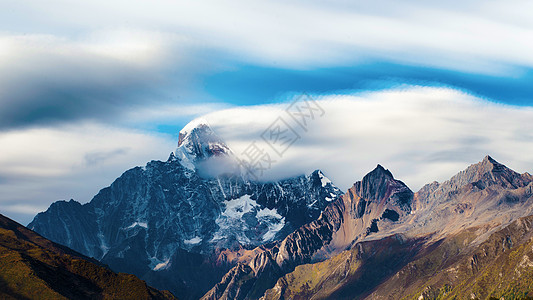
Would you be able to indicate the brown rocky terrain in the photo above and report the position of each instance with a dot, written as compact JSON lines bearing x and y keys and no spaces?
{"x":364,"y":243}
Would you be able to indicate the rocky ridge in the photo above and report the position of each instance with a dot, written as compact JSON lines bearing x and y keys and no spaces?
{"x":153,"y":220}
{"x":487,"y":196}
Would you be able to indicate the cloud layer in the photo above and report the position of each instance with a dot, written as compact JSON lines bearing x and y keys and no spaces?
{"x":466,"y":35}
{"x":62,"y":62}
{"x":421,"y":134}
{"x":40,"y":166}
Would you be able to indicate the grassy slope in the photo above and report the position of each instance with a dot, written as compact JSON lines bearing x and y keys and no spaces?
{"x":502,"y":266}
{"x":32,"y":267}
{"x":351,"y":274}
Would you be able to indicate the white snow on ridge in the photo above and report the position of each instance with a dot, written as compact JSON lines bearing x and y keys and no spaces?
{"x":193,"y":124}
{"x":184,"y":159}
{"x":323,"y":179}
{"x":236,"y":208}
{"x":231,"y":222}
{"x":141,"y":224}
{"x":162,"y":266}
{"x":195,"y":240}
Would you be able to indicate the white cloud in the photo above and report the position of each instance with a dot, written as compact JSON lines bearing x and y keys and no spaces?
{"x":486,"y":36}
{"x":420,"y":134}
{"x":40,"y":166}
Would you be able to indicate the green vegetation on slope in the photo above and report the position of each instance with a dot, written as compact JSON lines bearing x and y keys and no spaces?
{"x":351,"y":274}
{"x":500,"y":267}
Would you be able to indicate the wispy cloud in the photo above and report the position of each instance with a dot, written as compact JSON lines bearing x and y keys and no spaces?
{"x":40,"y":166}
{"x":422,"y":134}
{"x":48,"y":79}
{"x":96,"y":60}
{"x":468,"y":35}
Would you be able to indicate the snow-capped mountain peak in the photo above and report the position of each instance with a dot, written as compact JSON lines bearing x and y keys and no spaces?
{"x":198,"y":142}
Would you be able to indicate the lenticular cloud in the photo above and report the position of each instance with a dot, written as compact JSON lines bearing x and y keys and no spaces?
{"x":420,"y":133}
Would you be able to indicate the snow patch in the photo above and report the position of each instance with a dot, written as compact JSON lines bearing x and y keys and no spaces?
{"x":162,"y":266}
{"x":195,"y":240}
{"x":267,"y":212}
{"x":236,"y":208}
{"x":323,"y":179}
{"x":103,"y":245}
{"x":140,"y":224}
{"x":331,"y":197}
{"x":232,"y":221}
{"x":273,"y":228}
{"x":184,"y":159}
{"x":274,"y":221}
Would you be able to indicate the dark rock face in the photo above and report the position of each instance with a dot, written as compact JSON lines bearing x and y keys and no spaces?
{"x":391,"y":215}
{"x":139,"y":223}
{"x":380,"y":184}
{"x":153,"y":220}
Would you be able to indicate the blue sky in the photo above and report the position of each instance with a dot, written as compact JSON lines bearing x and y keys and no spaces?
{"x":117,"y":80}
{"x":255,"y":84}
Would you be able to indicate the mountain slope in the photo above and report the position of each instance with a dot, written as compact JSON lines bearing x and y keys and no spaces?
{"x":32,"y":267}
{"x":154,"y":220}
{"x":477,"y":202}
{"x":465,"y":238}
{"x":378,"y":201}
{"x":500,"y":266}
{"x":399,"y":268}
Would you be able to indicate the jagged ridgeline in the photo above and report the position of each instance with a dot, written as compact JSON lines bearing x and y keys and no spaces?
{"x":195,"y":225}
{"x":467,"y":238}
{"x":180,"y":226}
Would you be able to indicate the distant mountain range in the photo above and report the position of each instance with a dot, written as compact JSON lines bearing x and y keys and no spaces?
{"x":199,"y":227}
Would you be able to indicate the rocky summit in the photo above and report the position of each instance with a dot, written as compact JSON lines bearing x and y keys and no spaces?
{"x":180,"y":228}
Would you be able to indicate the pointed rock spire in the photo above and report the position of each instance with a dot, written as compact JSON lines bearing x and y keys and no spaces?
{"x":486,"y":173}
{"x":380,"y":185}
